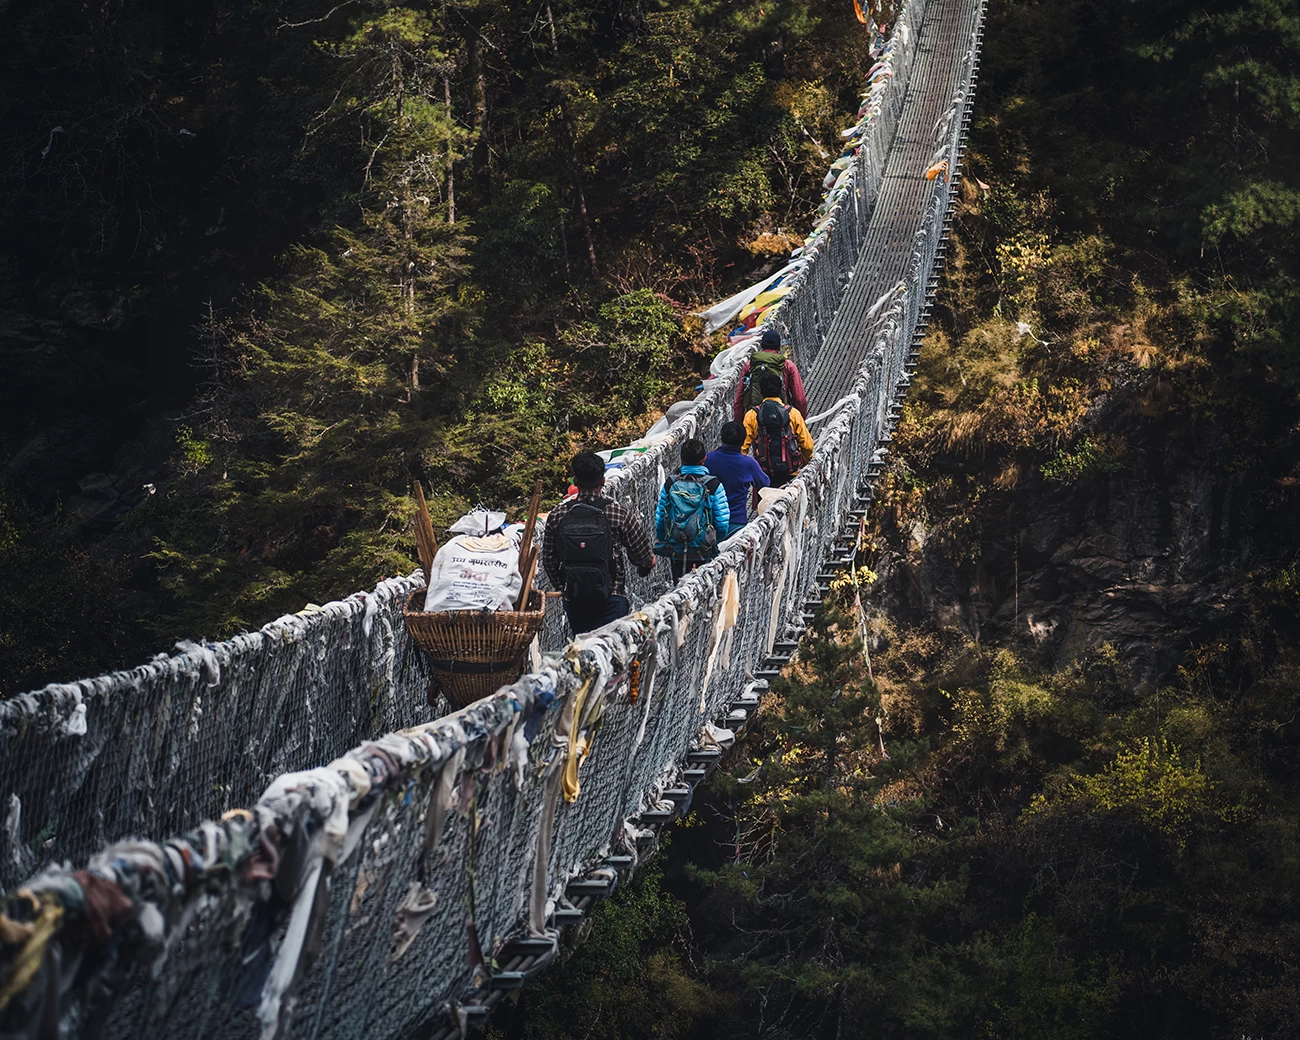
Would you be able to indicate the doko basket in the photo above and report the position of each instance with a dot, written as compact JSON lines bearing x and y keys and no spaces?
{"x":473,"y":653}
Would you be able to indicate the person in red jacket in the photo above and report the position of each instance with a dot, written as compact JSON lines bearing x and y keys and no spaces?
{"x":794,"y":392}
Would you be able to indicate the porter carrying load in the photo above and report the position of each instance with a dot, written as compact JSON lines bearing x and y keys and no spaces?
{"x":481,"y":611}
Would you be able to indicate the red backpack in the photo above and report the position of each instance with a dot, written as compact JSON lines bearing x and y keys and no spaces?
{"x":775,"y":446}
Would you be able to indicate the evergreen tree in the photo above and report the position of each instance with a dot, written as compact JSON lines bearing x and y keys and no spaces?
{"x":330,"y":399}
{"x":832,"y":890}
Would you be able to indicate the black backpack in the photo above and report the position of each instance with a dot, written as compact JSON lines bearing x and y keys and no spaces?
{"x":776,"y":448}
{"x":587,"y":554}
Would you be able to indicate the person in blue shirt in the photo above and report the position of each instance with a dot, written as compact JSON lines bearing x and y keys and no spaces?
{"x":692,"y":515}
{"x":741,"y":475}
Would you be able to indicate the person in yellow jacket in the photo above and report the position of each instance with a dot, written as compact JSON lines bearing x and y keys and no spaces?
{"x":777,"y":433}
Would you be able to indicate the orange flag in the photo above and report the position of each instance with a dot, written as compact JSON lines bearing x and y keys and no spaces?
{"x":857,"y":9}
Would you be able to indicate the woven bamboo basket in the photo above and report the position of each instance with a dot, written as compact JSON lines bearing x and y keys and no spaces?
{"x":474,"y":653}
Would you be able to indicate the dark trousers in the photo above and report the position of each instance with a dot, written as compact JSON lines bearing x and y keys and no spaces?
{"x":587,"y":617}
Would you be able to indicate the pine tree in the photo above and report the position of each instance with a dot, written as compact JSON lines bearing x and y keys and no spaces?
{"x":331,"y":395}
{"x":830,"y":884}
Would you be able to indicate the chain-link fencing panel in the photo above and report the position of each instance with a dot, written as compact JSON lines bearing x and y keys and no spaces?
{"x":150,"y":750}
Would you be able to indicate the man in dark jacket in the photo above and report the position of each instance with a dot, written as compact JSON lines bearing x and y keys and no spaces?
{"x":583,"y":545}
{"x":741,"y":475}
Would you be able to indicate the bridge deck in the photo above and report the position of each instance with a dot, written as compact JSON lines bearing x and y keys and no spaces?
{"x":904,"y":195}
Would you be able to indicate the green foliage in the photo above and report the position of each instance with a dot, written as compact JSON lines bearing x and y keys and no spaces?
{"x":1264,"y":204}
{"x":1284,"y":584}
{"x":331,"y":390}
{"x":521,"y":231}
{"x":630,"y":979}
{"x":998,"y":720}
{"x":623,"y":354}
{"x":667,"y":94}
{"x":1202,"y":171}
{"x":1085,"y":459}
{"x":1038,"y":988}
{"x":1147,"y":778}
{"x":1031,"y":869}
{"x":195,"y":453}
{"x":831,"y":881}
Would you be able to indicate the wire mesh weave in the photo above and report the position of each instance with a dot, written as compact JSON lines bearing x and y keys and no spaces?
{"x":401,"y":861}
{"x":149,"y":751}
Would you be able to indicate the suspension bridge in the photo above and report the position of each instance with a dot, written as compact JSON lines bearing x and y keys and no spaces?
{"x":232,"y":885}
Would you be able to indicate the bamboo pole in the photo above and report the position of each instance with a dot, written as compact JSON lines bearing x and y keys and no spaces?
{"x":528,"y":557}
{"x":530,"y":569}
{"x":426,"y":543}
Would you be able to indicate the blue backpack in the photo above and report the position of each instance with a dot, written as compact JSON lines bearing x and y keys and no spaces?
{"x":689,"y":531}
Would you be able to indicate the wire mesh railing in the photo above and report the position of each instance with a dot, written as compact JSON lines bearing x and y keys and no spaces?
{"x":364,"y":897}
{"x":148,"y":751}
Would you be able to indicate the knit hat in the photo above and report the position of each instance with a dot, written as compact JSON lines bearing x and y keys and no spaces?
{"x":771,"y":340}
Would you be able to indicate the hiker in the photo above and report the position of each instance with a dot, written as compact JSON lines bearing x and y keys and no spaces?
{"x":777,"y":433}
{"x":740,"y":474}
{"x":692,"y":515}
{"x":769,"y":357}
{"x":581,"y":549}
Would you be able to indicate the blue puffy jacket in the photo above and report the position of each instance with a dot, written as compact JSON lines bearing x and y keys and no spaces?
{"x":718,"y":511}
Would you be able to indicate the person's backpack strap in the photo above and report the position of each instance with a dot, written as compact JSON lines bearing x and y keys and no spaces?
{"x":710,"y":482}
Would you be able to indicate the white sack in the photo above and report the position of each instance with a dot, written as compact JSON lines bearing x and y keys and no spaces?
{"x":473,"y":573}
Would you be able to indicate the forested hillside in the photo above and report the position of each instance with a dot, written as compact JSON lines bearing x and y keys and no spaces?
{"x":1055,"y":794}
{"x":264,"y":264}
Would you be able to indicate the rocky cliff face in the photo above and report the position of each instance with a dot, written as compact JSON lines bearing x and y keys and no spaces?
{"x":1151,"y":558}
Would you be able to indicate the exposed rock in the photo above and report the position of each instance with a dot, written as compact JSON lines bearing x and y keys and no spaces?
{"x":1150,"y":560}
{"x":95,"y":482}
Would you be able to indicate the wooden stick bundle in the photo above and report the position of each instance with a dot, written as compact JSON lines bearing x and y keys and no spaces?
{"x":426,"y":544}
{"x":528,"y":551}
